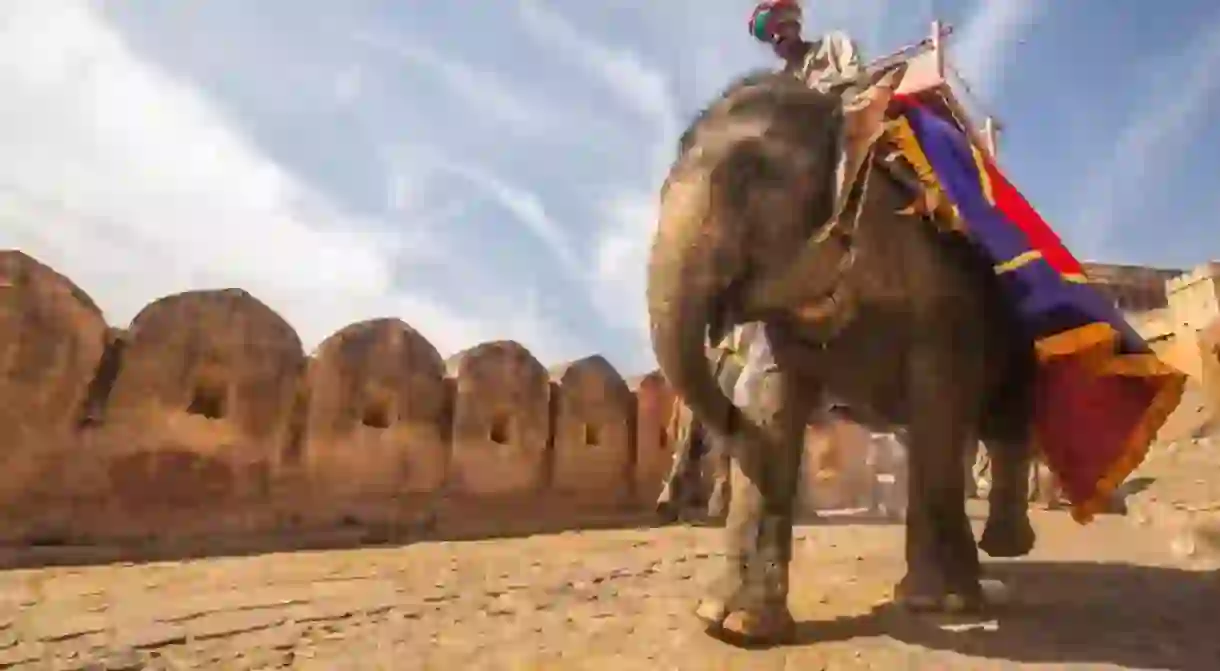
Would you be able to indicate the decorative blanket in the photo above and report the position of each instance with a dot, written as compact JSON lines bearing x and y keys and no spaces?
{"x":1102,"y":394}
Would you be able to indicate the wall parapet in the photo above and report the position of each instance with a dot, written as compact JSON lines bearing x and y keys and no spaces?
{"x":206,"y":419}
{"x":1200,"y":273}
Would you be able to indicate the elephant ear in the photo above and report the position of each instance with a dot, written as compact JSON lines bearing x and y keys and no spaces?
{"x":815,"y":271}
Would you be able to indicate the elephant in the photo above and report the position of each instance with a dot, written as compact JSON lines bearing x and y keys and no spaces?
{"x":860,"y":299}
{"x":684,"y":486}
{"x":694,"y":447}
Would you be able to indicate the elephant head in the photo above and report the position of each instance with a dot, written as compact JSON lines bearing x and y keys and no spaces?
{"x":754,"y":178}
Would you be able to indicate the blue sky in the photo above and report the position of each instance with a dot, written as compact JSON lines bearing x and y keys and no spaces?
{"x":487,"y":170}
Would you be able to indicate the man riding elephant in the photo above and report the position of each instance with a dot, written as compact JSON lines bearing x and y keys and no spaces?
{"x":685,"y":487}
{"x":695,"y":449}
{"x":827,"y":64}
{"x":763,"y":221}
{"x":830,"y":64}
{"x":693,"y":446}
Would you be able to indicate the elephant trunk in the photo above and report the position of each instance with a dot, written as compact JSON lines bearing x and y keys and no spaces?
{"x":686,"y":273}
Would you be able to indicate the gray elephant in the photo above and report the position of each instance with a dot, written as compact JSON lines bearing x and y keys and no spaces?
{"x":880,"y":309}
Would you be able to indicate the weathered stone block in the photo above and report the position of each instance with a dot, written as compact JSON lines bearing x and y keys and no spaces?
{"x":593,"y":441}
{"x":52,"y":341}
{"x":654,"y":452}
{"x":500,"y":421}
{"x":377,"y":414}
{"x":199,"y":415}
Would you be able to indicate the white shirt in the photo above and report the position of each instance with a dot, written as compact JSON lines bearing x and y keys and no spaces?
{"x":832,"y":59}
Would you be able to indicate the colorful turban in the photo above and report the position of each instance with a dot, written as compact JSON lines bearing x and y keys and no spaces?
{"x":764,"y":20}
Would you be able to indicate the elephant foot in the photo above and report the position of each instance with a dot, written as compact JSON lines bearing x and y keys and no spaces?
{"x":1007,"y":536}
{"x":929,"y":597}
{"x":769,"y":625}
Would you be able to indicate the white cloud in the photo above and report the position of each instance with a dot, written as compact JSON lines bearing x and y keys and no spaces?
{"x":348,"y":85}
{"x":864,"y":19}
{"x":524,"y":205}
{"x":135,"y":184}
{"x":622,"y":253}
{"x":627,"y":218}
{"x":1148,"y":147}
{"x":643,"y":90}
{"x":514,"y":111}
{"x":983,"y":50}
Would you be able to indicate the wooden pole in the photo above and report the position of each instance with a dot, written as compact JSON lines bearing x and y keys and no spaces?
{"x":938,"y":50}
{"x":991,"y":132}
{"x":910,"y":51}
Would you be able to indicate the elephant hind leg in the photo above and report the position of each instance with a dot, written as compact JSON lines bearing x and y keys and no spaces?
{"x":1008,"y":532}
{"x":943,"y":568}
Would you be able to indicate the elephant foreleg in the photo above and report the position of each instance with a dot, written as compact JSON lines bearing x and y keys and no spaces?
{"x":750,"y":598}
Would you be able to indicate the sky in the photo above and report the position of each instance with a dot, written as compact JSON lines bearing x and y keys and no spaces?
{"x":489,"y":170}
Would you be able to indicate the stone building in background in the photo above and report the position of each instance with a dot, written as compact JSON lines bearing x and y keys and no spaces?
{"x":1171,"y":308}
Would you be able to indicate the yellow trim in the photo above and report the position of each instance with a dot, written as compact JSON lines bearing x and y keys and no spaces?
{"x":902,"y":135}
{"x":1075,"y":341}
{"x":1138,"y":442}
{"x":980,"y":165}
{"x":1094,"y":345}
{"x":1017,"y":262}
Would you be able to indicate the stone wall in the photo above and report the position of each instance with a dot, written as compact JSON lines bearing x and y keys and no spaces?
{"x":1194,"y":303}
{"x":1133,"y":289}
{"x":1209,"y":357}
{"x":206,"y":419}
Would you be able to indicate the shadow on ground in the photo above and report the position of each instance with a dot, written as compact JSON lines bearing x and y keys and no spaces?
{"x":1068,"y":613}
{"x":349,"y":535}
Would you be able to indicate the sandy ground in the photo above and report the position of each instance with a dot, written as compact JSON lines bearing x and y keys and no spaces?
{"x":1111,"y":595}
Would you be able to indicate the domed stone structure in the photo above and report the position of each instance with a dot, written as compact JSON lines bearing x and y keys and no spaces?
{"x":592,"y":432}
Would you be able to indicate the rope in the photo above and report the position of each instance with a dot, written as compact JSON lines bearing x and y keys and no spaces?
{"x":977,"y":100}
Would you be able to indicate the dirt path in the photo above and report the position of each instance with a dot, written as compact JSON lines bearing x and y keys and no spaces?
{"x":607,"y":600}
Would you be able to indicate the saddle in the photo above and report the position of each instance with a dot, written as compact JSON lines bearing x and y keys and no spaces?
{"x":898,"y":156}
{"x":875,"y":130}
